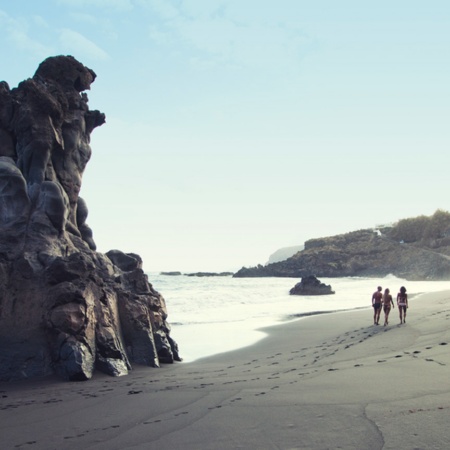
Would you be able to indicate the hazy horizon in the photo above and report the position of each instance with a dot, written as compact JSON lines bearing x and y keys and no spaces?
{"x":236,"y":128}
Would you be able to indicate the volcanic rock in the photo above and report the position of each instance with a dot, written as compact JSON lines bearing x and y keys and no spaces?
{"x":64,"y":307}
{"x":310,"y":285}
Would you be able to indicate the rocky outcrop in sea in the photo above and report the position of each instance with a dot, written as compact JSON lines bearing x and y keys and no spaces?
{"x":310,"y":285}
{"x":64,"y":307}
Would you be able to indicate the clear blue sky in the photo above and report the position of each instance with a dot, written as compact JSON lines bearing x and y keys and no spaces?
{"x":238,"y":127}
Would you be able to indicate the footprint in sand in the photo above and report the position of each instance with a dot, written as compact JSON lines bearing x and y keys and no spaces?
{"x":153,"y":421}
{"x":53,"y":400}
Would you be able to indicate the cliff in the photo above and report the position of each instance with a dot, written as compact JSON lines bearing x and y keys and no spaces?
{"x":284,"y":253}
{"x":64,"y":307}
{"x":366,"y":253}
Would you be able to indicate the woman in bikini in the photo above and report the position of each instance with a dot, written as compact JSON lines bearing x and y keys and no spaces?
{"x":402,"y":303}
{"x":387,"y":303}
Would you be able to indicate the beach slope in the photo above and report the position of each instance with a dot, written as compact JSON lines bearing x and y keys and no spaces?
{"x":322,"y":382}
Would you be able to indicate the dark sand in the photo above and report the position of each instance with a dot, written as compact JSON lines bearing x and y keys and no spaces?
{"x":323,"y":382}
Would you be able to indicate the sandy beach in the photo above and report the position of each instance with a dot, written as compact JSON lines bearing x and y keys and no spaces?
{"x":323,"y":382}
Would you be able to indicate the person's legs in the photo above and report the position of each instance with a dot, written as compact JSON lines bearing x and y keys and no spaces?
{"x":374,"y":315}
{"x":378,"y":314}
{"x":387,"y":310}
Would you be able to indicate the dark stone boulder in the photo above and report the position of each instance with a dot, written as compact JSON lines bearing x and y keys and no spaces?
{"x":126,"y":261}
{"x":64,"y":308}
{"x":310,"y":285}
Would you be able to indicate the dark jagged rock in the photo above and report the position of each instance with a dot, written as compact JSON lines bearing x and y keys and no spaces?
{"x":364,"y":253}
{"x":310,"y":285}
{"x":64,"y":308}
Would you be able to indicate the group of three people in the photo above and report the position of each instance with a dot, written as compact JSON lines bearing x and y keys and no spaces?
{"x":380,"y":300}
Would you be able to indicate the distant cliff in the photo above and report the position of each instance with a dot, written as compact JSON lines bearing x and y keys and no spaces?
{"x":414,"y":249}
{"x":284,"y":253}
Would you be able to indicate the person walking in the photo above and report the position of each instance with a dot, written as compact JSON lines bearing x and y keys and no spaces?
{"x":387,"y":303}
{"x":402,"y":303}
{"x":376,"y":303}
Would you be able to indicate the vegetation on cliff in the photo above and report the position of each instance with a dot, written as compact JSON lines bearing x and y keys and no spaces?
{"x":432,"y":232}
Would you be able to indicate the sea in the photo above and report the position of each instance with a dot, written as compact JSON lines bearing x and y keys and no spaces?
{"x":212,"y":315}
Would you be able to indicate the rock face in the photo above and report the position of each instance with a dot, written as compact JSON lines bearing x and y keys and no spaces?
{"x":359,"y":253}
{"x":64,"y":308}
{"x":310,"y":285}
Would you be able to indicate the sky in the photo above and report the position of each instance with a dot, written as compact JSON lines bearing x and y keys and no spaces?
{"x":238,"y":127}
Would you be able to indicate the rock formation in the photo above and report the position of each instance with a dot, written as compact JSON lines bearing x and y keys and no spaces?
{"x":64,"y":308}
{"x":310,"y":285}
{"x":363,"y":253}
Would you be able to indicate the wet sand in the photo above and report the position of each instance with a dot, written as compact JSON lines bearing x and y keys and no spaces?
{"x":323,"y":382}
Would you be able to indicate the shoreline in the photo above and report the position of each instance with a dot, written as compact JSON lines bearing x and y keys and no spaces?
{"x":225,"y":316}
{"x":333,"y":380}
{"x":253,"y":334}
